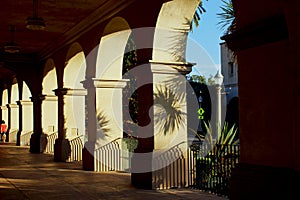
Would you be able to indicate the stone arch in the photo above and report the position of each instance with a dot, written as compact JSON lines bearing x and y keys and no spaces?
{"x":172,"y":28}
{"x":74,"y":107}
{"x":14,"y":91}
{"x":27,"y":109}
{"x":108,"y":81}
{"x":49,"y":105}
{"x":26,"y":92}
{"x":111,"y":49}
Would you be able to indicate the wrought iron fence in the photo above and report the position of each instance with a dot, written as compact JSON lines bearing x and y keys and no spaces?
{"x":108,"y":157}
{"x":50,"y":142}
{"x":76,"y":149}
{"x":170,"y":169}
{"x":13,"y":135}
{"x":25,"y":138}
{"x":212,"y":168}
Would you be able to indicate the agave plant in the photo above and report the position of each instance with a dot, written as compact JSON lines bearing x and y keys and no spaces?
{"x":217,"y":156}
{"x":224,"y":136}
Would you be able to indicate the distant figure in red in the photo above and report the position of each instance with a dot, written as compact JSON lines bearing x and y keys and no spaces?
{"x":3,"y":130}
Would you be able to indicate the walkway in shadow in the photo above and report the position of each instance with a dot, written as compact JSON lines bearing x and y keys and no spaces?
{"x":36,"y":176}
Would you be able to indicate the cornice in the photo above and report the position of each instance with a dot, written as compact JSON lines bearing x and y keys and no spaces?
{"x":260,"y":33}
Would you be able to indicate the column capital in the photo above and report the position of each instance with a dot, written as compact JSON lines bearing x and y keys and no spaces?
{"x":61,"y":91}
{"x":166,"y":67}
{"x":37,"y":98}
{"x":12,"y":105}
{"x":3,"y":107}
{"x":107,"y":83}
{"x":77,"y":92}
{"x":88,"y":83}
{"x":24,"y":102}
{"x":50,"y":97}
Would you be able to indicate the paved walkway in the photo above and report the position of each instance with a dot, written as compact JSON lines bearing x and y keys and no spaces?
{"x":36,"y":176}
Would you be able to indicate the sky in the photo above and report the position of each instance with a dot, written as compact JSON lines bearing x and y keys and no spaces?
{"x":203,"y":46}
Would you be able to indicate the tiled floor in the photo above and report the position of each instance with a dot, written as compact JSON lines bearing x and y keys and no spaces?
{"x":36,"y":176}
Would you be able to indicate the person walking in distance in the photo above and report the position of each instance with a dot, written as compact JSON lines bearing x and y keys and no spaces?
{"x":3,"y":130}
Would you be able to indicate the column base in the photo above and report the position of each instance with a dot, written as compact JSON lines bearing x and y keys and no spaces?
{"x":250,"y":182}
{"x":141,"y":171}
{"x":62,"y":150}
{"x":142,"y":180}
{"x":88,"y":156}
{"x":38,"y":143}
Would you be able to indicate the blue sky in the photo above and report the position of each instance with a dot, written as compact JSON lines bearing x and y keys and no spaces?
{"x":204,"y":41}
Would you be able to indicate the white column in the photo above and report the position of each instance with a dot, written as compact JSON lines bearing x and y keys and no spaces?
{"x":49,"y":114}
{"x":4,"y":114}
{"x":170,"y":121}
{"x":75,"y":112}
{"x":27,"y":116}
{"x":14,"y":110}
{"x":109,"y":106}
{"x":169,"y":86}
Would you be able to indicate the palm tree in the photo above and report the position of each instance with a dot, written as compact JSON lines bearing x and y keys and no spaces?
{"x":228,"y":21}
{"x":196,"y":19}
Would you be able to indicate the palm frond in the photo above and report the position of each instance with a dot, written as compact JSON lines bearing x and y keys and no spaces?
{"x":227,"y":17}
{"x":196,"y":18}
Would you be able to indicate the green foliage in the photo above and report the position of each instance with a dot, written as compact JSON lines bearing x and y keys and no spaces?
{"x":198,"y":78}
{"x":131,"y":143}
{"x":196,"y":18}
{"x":130,"y":61}
{"x":227,"y":18}
{"x":224,"y":136}
{"x":130,"y":56}
{"x":201,"y":79}
{"x":211,"y":80}
{"x":215,"y":160}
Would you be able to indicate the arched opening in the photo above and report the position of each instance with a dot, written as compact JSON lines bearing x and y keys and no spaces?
{"x":14,"y":108}
{"x":49,"y":105}
{"x":4,"y":105}
{"x":109,"y":82}
{"x":74,"y":107}
{"x":26,"y":117}
{"x":27,"y":110}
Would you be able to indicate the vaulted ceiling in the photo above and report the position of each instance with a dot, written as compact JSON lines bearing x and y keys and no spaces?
{"x":63,"y":18}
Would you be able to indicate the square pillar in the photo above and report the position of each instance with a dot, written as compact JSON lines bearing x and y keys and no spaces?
{"x":62,"y":148}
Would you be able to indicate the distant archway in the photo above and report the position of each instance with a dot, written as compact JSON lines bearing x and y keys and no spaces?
{"x":109,"y":82}
{"x":74,"y":107}
{"x":49,"y":105}
{"x":14,"y":109}
{"x":27,"y":109}
{"x":4,"y":105}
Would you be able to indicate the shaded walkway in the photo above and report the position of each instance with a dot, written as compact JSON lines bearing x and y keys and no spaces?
{"x":37,"y":176}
